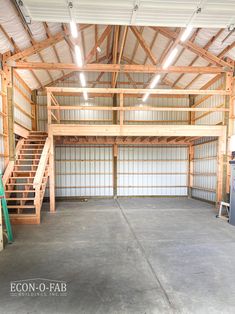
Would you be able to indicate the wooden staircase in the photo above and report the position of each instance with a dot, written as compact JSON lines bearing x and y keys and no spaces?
{"x":25,"y":178}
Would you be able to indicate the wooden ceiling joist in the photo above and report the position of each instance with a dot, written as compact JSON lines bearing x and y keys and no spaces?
{"x":92,"y":67}
{"x":120,"y":140}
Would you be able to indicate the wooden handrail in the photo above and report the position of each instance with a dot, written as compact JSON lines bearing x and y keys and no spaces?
{"x":10,"y":166}
{"x":139,"y":108}
{"x":42,"y":165}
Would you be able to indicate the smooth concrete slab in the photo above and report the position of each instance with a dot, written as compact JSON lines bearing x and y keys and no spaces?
{"x":133,"y":255}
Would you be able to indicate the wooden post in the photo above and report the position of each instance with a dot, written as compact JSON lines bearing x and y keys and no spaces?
{"x":52,"y":173}
{"x":221,"y":173}
{"x":115,"y":156}
{"x":121,"y":111}
{"x":48,"y":108}
{"x":115,"y":119}
{"x":10,"y":105}
{"x":190,"y":172}
{"x":34,"y":110}
{"x":5,"y":120}
{"x":191,"y":114}
{"x":230,"y":127}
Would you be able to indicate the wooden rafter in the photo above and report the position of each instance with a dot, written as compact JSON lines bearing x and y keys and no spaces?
{"x":151,"y":45}
{"x":143,"y":44}
{"x":98,"y":43}
{"x":115,"y":51}
{"x":194,"y":48}
{"x":137,"y":44}
{"x":220,"y":55}
{"x":206,"y":47}
{"x":16,"y":50}
{"x":121,"y":49}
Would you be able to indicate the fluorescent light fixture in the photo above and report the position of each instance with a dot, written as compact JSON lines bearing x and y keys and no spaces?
{"x":186,"y":33}
{"x":170,"y":58}
{"x":73,"y":29}
{"x":145,"y":97}
{"x":82,"y":79}
{"x":78,"y":55}
{"x":85,"y":96}
{"x":155,"y":81}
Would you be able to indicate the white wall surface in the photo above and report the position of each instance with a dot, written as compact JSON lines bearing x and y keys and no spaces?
{"x":152,"y":170}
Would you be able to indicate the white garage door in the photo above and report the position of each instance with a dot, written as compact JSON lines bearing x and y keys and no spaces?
{"x":157,"y":170}
{"x":84,"y":171}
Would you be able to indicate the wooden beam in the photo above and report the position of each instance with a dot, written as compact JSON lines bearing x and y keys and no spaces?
{"x":206,"y":47}
{"x":143,"y":44}
{"x":37,"y":47}
{"x":115,"y":51}
{"x":69,"y":90}
{"x":98,"y":43}
{"x":194,"y":48}
{"x":138,"y":68}
{"x":135,"y":130}
{"x":137,"y":44}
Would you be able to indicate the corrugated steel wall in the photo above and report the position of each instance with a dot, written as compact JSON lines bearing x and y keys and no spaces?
{"x":22,"y":110}
{"x":84,"y":170}
{"x":152,"y":170}
{"x":211,"y":102}
{"x":205,"y":169}
{"x":1,"y":130}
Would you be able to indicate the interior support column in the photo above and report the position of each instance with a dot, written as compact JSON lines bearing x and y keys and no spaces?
{"x":115,"y":156}
{"x":10,"y":106}
{"x":34,"y":110}
{"x":190,"y":171}
{"x":52,"y":173}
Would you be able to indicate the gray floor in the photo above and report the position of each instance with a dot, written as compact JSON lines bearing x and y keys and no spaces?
{"x":139,"y":255}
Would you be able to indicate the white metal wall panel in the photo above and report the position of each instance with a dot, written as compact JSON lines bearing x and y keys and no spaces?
{"x":20,"y":115}
{"x":1,"y":131}
{"x":205,"y":171}
{"x":155,"y":170}
{"x":211,"y":102}
{"x":134,"y":117}
{"x":84,"y":171}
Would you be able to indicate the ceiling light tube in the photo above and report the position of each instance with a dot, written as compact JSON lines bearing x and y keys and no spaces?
{"x":85,"y":96}
{"x":78,"y":55}
{"x":145,"y":97}
{"x":186,"y":33}
{"x":155,"y":81}
{"x":82,"y":79}
{"x":170,"y":58}
{"x":73,"y":29}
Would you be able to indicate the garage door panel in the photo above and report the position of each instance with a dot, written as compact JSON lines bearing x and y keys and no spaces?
{"x":146,"y":170}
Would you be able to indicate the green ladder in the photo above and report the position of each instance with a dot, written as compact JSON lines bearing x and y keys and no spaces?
{"x":5,"y":211}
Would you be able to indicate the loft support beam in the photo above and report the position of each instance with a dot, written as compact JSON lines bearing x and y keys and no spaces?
{"x":135,"y":130}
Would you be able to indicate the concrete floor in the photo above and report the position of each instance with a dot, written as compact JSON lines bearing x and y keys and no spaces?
{"x":136,"y":255}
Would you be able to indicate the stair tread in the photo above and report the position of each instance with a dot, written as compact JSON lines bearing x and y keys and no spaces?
{"x":21,"y":206}
{"x":19,"y":191}
{"x":20,"y":198}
